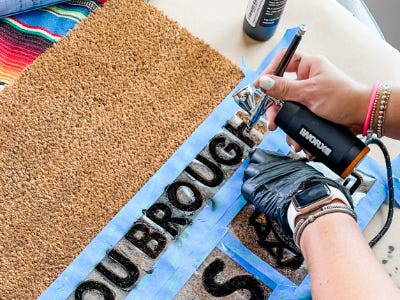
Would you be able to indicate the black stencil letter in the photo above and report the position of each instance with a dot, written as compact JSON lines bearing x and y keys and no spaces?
{"x":243,"y":282}
{"x":130,"y":268}
{"x":172,"y":193}
{"x":218,"y":176}
{"x":161,"y":214}
{"x":221,"y":142}
{"x":151,"y":243}
{"x":93,"y":286}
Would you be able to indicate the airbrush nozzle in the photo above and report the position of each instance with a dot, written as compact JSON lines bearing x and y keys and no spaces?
{"x":262,"y":107}
{"x":245,"y":98}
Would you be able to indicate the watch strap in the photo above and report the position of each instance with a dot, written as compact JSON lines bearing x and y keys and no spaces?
{"x":292,"y":213}
{"x":327,"y":209}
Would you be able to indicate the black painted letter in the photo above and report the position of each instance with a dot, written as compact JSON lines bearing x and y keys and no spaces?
{"x":88,"y":286}
{"x":218,"y":176}
{"x":151,"y":243}
{"x":172,"y":193}
{"x":130,"y":268}
{"x":161,"y":214}
{"x":239,"y":133}
{"x":220,"y":142}
{"x":243,"y":282}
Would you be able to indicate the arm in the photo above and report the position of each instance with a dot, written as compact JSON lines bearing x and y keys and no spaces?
{"x":392,"y":119}
{"x":340,"y":262}
{"x":328,"y":92}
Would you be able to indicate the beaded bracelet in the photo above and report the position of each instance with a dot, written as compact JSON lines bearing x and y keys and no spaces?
{"x":327,"y":209}
{"x":377,"y":116}
{"x":384,"y":98}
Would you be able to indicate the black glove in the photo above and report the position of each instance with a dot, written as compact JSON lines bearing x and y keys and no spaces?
{"x":271,"y":179}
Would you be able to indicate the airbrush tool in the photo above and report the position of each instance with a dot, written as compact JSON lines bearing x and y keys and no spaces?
{"x":332,"y":144}
{"x":267,"y":101}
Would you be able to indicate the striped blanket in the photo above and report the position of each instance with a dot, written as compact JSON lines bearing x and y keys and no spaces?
{"x":25,"y":36}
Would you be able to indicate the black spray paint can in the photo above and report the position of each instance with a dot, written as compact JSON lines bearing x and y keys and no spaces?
{"x":262,"y":18}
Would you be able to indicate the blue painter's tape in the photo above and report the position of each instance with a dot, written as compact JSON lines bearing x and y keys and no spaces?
{"x":283,"y":293}
{"x":304,"y":289}
{"x":370,"y":204}
{"x":378,"y":171}
{"x":396,"y":166}
{"x":253,"y":264}
{"x":177,"y":265}
{"x":164,"y":279}
{"x":396,"y":178}
{"x":372,"y":168}
{"x":275,"y":141}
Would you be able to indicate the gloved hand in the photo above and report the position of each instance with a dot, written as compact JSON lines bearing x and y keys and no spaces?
{"x":271,"y":179}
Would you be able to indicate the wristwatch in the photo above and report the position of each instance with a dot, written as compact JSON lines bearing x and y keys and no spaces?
{"x":312,"y":198}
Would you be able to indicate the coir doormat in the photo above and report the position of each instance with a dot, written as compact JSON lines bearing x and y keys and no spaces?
{"x":87,"y":125}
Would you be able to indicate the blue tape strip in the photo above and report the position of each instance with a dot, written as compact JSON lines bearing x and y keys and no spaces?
{"x":370,"y":204}
{"x":283,"y":293}
{"x":396,"y":178}
{"x":275,"y":141}
{"x":378,"y":194}
{"x":304,"y":289}
{"x":253,"y":264}
{"x":182,"y":258}
{"x":372,"y":168}
{"x":396,"y":166}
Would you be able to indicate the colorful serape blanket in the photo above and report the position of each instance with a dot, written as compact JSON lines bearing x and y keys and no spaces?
{"x":25,"y":36}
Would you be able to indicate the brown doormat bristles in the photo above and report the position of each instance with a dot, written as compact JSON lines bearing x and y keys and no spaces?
{"x":87,"y":125}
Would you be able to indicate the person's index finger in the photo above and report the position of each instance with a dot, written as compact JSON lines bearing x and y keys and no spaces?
{"x":274,"y":62}
{"x":271,"y":66}
{"x":292,"y":66}
{"x":295,"y":62}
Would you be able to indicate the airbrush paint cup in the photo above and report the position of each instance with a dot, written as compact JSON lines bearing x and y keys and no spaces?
{"x":262,"y":18}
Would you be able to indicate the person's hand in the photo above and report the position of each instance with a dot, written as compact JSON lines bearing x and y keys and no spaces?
{"x":271,"y":179}
{"x":322,"y":87}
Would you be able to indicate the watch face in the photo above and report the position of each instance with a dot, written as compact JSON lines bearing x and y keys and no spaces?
{"x":311,"y":195}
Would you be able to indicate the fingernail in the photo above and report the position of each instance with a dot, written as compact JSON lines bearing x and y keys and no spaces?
{"x":266,"y":82}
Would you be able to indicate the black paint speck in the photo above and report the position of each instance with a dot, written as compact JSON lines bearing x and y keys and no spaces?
{"x":391,"y":249}
{"x":384,"y":261}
